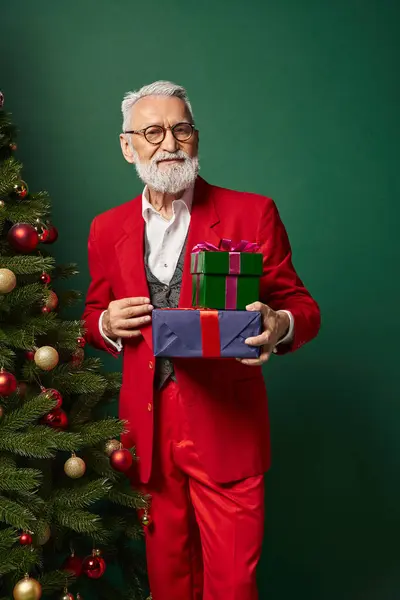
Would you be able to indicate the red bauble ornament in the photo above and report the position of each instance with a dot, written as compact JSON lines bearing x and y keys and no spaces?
{"x":77,"y":357}
{"x":94,"y":566}
{"x":23,"y":237}
{"x":121,"y":460}
{"x":45,"y":278}
{"x":22,"y":388}
{"x":25,"y":539}
{"x":53,"y":395}
{"x":52,"y":234}
{"x":30,"y":355}
{"x":8,"y":383}
{"x":56,"y":418}
{"x":52,"y":301}
{"x":45,"y":310}
{"x":73,"y":564}
{"x":13,"y":146}
{"x":44,"y":236}
{"x":81,"y":342}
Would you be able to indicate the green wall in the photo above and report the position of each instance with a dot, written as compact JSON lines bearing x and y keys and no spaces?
{"x":297,"y":100}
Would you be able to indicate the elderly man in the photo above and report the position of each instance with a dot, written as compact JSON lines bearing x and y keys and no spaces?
{"x":200,"y":426}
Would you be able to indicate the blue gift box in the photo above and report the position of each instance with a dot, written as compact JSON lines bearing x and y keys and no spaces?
{"x":205,"y":333}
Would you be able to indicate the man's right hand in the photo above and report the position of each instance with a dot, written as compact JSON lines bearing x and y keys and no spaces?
{"x":123,"y":318}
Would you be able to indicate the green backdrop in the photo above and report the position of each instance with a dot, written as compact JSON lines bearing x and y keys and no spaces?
{"x":297,"y":100}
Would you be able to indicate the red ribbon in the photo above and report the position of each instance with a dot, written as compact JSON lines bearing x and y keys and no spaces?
{"x":210,"y":335}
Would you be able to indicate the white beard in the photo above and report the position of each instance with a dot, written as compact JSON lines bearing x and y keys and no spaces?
{"x":176,"y":178}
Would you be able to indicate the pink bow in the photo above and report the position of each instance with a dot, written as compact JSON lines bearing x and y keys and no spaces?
{"x":227,"y":245}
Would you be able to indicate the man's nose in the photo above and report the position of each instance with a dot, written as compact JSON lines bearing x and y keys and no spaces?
{"x":169,"y":144}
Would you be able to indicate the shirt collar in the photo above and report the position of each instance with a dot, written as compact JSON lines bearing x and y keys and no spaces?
{"x":186,"y":199}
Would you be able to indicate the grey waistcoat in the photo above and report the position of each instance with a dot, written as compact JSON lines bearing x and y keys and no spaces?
{"x":165,"y":296}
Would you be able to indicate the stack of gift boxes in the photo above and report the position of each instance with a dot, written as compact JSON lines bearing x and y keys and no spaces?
{"x":225,"y":280}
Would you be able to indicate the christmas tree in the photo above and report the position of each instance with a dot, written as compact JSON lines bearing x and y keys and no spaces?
{"x":67,"y":510}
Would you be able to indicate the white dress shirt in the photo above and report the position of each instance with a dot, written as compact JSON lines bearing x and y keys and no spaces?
{"x":164,"y":240}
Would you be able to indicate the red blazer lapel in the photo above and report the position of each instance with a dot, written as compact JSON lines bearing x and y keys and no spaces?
{"x":203,"y":220}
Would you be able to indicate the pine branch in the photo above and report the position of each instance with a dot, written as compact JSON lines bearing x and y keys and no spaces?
{"x":65,"y":271}
{"x":27,"y":265}
{"x":93,"y":433}
{"x":69,"y":298}
{"x":30,"y":411}
{"x":39,"y":441}
{"x":82,"y":496}
{"x":100,"y":464}
{"x":25,"y":296}
{"x":8,"y":537}
{"x":55,"y":581}
{"x":24,"y":337}
{"x":32,"y":208}
{"x":10,"y":174}
{"x":82,"y":409}
{"x":15,"y":514}
{"x":72,"y":381}
{"x":7,"y":356}
{"x":21,"y":559}
{"x":16,"y":480}
{"x":78,"y":520}
{"x":128,"y":497}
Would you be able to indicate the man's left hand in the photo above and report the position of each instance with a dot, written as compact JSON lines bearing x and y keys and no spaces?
{"x":275,"y":327}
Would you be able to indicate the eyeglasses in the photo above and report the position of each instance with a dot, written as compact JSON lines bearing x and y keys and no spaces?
{"x":155,"y":134}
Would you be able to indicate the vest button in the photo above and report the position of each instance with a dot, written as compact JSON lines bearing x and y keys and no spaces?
{"x":149,"y":407}
{"x":151,"y":364}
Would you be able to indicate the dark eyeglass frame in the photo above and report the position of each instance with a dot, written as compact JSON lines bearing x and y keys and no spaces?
{"x":164,"y":129}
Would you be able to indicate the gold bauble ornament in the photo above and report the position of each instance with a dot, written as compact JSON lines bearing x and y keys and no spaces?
{"x":75,"y":467}
{"x":8,"y":281}
{"x":43,"y":537}
{"x":27,"y":589}
{"x":111,"y":445}
{"x":46,"y":358}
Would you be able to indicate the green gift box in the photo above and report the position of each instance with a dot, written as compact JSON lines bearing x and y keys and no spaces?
{"x":227,"y":280}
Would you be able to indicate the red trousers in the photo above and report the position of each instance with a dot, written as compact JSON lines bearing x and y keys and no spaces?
{"x":205,"y":539}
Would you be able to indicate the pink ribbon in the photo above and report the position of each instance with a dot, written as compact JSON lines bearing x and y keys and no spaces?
{"x":227,"y":245}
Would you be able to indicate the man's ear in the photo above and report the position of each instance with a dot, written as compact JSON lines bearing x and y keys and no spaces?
{"x":126,"y":148}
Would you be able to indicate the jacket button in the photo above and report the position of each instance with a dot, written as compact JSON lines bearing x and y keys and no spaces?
{"x":151,"y":364}
{"x":149,"y":407}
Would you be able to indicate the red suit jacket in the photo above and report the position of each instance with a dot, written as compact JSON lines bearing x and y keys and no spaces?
{"x":225,"y":401}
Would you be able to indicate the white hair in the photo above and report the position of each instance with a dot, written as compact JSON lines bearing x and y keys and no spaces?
{"x":158,"y":88}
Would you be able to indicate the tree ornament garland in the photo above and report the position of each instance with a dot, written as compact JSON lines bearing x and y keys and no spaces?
{"x":46,"y":358}
{"x":23,"y":237}
{"x":27,"y":589}
{"x":121,"y":460}
{"x":75,"y":467}
{"x":8,"y":281}
{"x":8,"y":383}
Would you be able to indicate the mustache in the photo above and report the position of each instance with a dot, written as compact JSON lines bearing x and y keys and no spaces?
{"x":178,"y":155}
